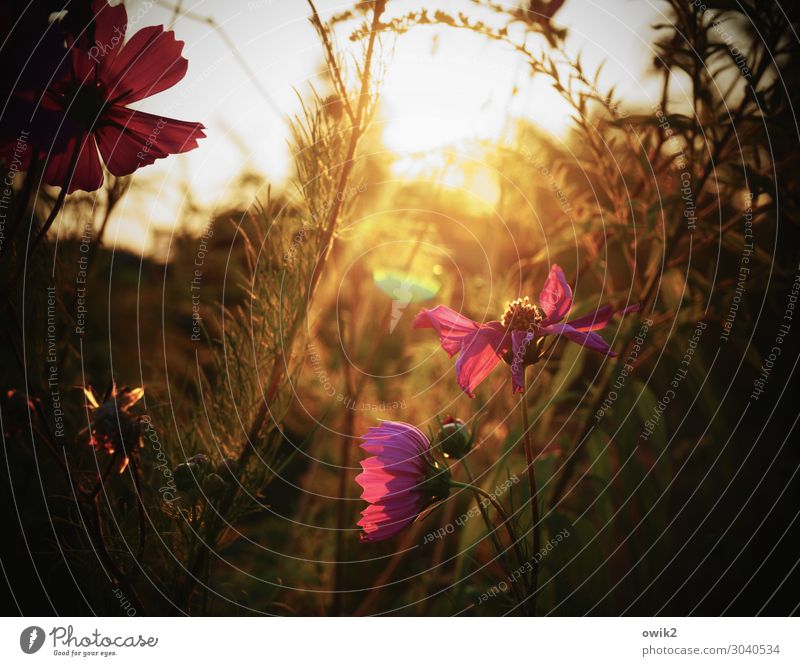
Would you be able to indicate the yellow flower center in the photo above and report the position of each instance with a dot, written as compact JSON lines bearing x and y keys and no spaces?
{"x":522,"y":315}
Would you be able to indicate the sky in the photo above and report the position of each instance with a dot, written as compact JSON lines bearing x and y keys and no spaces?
{"x":436,"y":91}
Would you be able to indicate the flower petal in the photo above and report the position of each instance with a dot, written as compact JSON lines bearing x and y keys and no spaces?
{"x":556,"y":296}
{"x":110,"y":24}
{"x":381,"y":485}
{"x":594,"y":321}
{"x":451,"y":326}
{"x":131,"y":139}
{"x":381,"y":522}
{"x":586,"y":339}
{"x":480,"y":353}
{"x":149,"y":63}
{"x":88,"y":173}
{"x":403,"y":434}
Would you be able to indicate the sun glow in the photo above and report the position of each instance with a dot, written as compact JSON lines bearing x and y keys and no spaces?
{"x":438,"y":92}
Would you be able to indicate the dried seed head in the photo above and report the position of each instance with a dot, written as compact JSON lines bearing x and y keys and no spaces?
{"x":113,"y":428}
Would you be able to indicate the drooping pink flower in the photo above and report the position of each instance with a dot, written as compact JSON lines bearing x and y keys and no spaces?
{"x":400,"y":480}
{"x":517,"y":337}
{"x":85,"y":107}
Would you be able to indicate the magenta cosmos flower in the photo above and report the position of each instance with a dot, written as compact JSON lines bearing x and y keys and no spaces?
{"x":400,"y":480}
{"x":517,"y":337}
{"x":84,"y":110}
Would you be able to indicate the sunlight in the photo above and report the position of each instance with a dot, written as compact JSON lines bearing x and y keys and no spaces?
{"x":438,"y":92}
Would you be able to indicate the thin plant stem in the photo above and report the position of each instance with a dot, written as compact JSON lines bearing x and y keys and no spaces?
{"x":536,"y":526}
{"x":62,"y":195}
{"x":101,"y":478}
{"x":491,"y":529}
{"x":506,"y":523}
{"x":120,"y":577}
{"x":139,"y":508}
{"x":355,"y":136}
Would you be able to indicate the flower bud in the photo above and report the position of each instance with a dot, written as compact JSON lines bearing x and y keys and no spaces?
{"x":184,"y":477}
{"x":454,"y":439}
{"x":200,"y":460}
{"x":190,"y":474}
{"x":214,"y":484}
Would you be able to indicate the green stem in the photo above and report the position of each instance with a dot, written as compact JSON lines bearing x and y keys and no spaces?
{"x":62,"y":195}
{"x":491,"y":529}
{"x":537,"y":528}
{"x":505,"y":520}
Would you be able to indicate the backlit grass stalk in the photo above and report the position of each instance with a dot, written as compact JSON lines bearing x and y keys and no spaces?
{"x":313,"y":134}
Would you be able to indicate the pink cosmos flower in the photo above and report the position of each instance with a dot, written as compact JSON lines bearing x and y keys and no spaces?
{"x":517,"y":338}
{"x":400,"y":480}
{"x":85,"y":108}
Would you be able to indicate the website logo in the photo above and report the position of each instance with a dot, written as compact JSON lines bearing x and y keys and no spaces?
{"x":31,"y":639}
